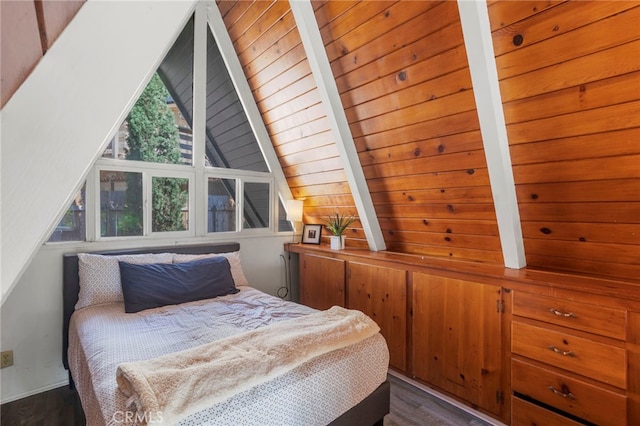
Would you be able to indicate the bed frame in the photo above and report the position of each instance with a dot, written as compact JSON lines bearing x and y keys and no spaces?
{"x":370,"y":411}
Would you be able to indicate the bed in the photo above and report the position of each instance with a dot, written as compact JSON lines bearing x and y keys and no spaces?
{"x":344,"y":386}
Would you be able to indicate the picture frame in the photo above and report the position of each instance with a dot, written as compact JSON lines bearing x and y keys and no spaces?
{"x":311,"y":234}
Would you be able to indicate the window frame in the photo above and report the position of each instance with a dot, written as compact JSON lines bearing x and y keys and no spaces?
{"x":148,"y":171}
{"x":197,"y":211}
{"x":147,"y":189}
{"x":241,"y":177}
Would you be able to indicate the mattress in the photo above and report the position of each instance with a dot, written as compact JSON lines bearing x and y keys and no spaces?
{"x":102,"y":337}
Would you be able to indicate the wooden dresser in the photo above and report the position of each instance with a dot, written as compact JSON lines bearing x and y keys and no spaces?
{"x":526,"y":347}
{"x":570,"y":359}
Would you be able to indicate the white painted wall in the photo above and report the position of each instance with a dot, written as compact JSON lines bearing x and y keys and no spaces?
{"x":32,"y":316}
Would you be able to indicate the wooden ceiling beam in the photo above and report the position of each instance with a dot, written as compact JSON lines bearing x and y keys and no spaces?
{"x":476,"y":29}
{"x":321,"y":69}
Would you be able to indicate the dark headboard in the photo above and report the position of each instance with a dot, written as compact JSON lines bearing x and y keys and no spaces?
{"x":71,"y":281}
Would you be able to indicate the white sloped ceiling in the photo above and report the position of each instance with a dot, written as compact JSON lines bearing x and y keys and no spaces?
{"x":59,"y":121}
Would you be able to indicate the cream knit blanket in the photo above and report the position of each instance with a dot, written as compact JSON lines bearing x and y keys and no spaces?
{"x":170,"y":387}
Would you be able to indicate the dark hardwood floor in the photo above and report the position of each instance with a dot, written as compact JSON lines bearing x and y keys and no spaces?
{"x":57,"y":407}
{"x":410,"y":406}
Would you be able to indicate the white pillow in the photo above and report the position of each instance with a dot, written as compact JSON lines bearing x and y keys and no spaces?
{"x":100,"y":276}
{"x":234,"y":261}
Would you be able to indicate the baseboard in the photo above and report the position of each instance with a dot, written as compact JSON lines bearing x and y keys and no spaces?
{"x":446,"y":399}
{"x":35,"y":391}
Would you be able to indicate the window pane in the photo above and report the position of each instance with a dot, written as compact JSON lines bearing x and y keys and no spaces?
{"x":256,"y":205}
{"x":221,"y":205}
{"x":72,"y":225}
{"x":120,"y":204}
{"x":155,"y":130}
{"x":283,"y":223}
{"x":170,"y":210}
{"x":230,"y":140}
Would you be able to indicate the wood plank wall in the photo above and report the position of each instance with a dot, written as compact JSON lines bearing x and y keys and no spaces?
{"x":268,"y":44}
{"x":403,"y":76}
{"x":570,"y":81}
{"x":28,"y":30}
{"x":404,"y":80}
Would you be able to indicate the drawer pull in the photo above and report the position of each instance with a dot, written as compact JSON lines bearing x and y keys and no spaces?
{"x":561,"y":352}
{"x":568,"y":395}
{"x":562,"y":314}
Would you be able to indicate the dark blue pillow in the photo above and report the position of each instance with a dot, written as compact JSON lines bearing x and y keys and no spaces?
{"x":158,"y":284}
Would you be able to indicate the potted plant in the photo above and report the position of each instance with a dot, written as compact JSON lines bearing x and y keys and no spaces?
{"x":337,"y":224}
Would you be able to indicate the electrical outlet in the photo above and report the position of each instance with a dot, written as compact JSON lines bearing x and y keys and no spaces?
{"x":6,"y":359}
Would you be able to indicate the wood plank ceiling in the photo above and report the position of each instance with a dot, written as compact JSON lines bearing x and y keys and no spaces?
{"x":569,"y":77}
{"x":570,"y":81}
{"x":402,"y":73}
{"x":36,"y":25}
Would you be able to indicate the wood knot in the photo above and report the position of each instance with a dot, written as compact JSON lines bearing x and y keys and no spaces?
{"x":440,"y":148}
{"x":471,"y":171}
{"x":450,"y":208}
{"x":416,"y":152}
{"x":545,"y":231}
{"x":447,"y":239}
{"x":534,"y":196}
{"x":402,"y":76}
{"x":582,"y":239}
{"x":518,"y":39}
{"x":448,"y":231}
{"x":425,"y":222}
{"x":410,"y":198}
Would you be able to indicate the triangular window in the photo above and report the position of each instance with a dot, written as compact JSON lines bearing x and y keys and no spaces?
{"x":229,"y":144}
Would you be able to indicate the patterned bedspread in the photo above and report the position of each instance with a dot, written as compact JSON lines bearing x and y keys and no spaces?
{"x":101,"y":337}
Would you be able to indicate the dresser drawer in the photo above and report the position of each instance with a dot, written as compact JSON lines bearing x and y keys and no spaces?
{"x":581,"y":399}
{"x":580,"y":316}
{"x":525,"y":413}
{"x":589,"y":358}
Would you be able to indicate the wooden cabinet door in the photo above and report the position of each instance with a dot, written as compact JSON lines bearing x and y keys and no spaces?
{"x":381,"y":293}
{"x":456,"y":338}
{"x":322,"y":281}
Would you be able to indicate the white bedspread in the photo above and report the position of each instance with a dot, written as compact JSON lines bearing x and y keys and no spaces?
{"x":102,"y":337}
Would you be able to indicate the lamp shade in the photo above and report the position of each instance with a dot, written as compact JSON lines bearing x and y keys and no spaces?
{"x":294,"y":210}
